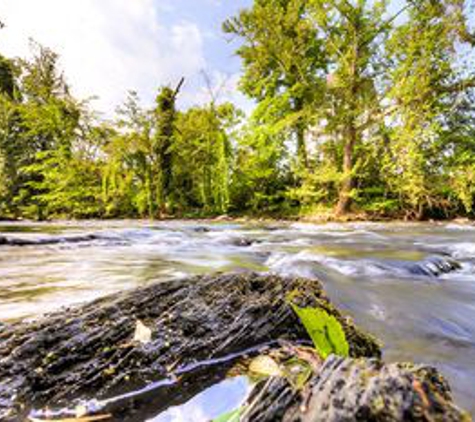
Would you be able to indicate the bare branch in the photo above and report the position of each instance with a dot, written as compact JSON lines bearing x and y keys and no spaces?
{"x":177,"y":89}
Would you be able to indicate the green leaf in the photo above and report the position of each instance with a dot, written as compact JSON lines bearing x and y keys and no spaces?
{"x":233,"y":416}
{"x":325,"y":331}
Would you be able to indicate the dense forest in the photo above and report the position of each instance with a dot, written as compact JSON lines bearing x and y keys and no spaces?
{"x":362,"y":107}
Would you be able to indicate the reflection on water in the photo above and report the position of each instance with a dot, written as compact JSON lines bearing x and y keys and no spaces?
{"x":215,"y":401}
{"x":413,"y":285}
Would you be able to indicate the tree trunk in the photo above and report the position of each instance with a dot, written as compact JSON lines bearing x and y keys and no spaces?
{"x":347,"y":185}
{"x":301,"y":148}
{"x":351,"y":133}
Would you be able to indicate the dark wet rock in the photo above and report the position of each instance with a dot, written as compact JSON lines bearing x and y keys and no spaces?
{"x":202,"y":229}
{"x":357,"y":390}
{"x":200,"y":328}
{"x":243,"y":242}
{"x":54,"y":240}
{"x":434,"y":266}
{"x":89,"y":352}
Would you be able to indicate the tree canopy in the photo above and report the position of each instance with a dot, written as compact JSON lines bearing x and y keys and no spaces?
{"x":361,"y":107}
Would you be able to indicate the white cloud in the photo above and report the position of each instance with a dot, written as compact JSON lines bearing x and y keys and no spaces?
{"x":106,"y":46}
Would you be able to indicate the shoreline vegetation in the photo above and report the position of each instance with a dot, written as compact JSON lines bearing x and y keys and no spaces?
{"x":364,"y":109}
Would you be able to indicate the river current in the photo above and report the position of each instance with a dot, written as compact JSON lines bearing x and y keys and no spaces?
{"x":410,"y":284}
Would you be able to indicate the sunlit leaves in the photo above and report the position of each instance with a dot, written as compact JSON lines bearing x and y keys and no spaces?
{"x":325,"y":331}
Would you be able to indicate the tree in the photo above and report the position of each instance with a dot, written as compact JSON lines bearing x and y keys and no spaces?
{"x":261,"y":174}
{"x":283,"y":62}
{"x":70,"y":184}
{"x":165,"y":116}
{"x":42,"y":120}
{"x":9,"y":119}
{"x":7,"y":78}
{"x":139,"y":171}
{"x":318,"y":56}
{"x":203,"y":157}
{"x":354,"y":33}
{"x":128,"y":174}
{"x":427,"y":87}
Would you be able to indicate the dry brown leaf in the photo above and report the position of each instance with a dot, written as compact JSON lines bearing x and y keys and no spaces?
{"x":307,"y":354}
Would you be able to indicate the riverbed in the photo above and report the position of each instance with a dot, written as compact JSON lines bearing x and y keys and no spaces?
{"x":410,"y":284}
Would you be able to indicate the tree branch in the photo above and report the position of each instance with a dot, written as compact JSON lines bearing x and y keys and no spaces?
{"x":177,"y":89}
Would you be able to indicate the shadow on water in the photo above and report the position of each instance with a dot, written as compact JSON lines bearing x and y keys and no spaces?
{"x":412,"y":285}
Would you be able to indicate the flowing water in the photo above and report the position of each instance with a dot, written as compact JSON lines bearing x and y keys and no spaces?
{"x":412,"y":285}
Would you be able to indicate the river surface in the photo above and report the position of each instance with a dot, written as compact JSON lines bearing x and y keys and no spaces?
{"x":411,"y":285}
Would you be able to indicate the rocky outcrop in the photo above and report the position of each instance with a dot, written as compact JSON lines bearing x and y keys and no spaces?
{"x":134,"y":354}
{"x":90,"y":351}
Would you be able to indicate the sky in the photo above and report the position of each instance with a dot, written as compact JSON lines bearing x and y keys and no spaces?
{"x":108,"y":47}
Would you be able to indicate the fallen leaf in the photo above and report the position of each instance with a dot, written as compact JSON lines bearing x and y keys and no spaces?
{"x":265,"y":365}
{"x":306,"y":354}
{"x":142,"y":334}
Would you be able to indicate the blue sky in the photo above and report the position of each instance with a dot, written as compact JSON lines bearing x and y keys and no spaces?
{"x":110,"y":46}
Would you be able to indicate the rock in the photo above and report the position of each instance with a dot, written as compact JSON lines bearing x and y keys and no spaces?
{"x":54,"y":240}
{"x":202,"y":229}
{"x":243,"y":242}
{"x":434,"y":266}
{"x":199,"y":327}
{"x":192,"y":332}
{"x":357,"y":390}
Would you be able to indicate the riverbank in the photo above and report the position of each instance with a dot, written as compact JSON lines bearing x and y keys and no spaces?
{"x":264,"y":219}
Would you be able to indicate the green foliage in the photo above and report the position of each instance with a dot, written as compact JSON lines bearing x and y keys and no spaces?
{"x":374,"y":99}
{"x":421,"y":74}
{"x":283,"y":57}
{"x":325,"y":331}
{"x":260,"y":178}
{"x":203,"y":151}
{"x":233,"y":416}
{"x":7,"y":78}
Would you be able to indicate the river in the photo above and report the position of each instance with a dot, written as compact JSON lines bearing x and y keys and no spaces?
{"x":410,"y":284}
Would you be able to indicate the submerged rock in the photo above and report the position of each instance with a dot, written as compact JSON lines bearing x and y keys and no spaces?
{"x":202,"y":229}
{"x":243,"y":241}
